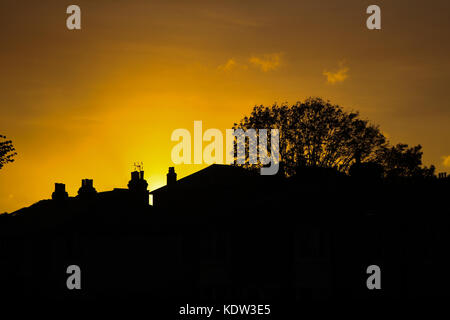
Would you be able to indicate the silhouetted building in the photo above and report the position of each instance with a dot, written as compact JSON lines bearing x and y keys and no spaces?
{"x":229,"y":234}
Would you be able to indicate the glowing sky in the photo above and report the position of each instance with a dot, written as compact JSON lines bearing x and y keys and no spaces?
{"x":89,"y":103}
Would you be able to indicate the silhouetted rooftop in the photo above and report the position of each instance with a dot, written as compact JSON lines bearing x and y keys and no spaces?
{"x":215,"y":174}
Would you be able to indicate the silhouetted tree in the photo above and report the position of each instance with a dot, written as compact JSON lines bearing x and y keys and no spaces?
{"x":316,"y":133}
{"x":401,"y":161}
{"x":7,"y":151}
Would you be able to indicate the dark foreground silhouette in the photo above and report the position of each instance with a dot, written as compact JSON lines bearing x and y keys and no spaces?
{"x":224,"y":234}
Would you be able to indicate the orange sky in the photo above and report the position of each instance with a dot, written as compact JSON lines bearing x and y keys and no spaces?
{"x":89,"y":103}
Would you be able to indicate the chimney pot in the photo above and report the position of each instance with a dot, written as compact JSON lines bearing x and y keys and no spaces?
{"x":171,"y":176}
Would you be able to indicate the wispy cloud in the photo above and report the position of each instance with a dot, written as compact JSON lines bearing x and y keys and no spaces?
{"x":228,"y":66}
{"x":267,"y":62}
{"x":337,"y":76}
{"x":446,"y":161}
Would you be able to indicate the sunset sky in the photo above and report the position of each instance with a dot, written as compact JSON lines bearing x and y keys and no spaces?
{"x":88,"y":103}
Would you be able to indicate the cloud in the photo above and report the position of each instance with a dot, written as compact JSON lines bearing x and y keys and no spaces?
{"x":267,"y":62}
{"x":228,"y":66}
{"x":446,"y":161}
{"x":337,"y":76}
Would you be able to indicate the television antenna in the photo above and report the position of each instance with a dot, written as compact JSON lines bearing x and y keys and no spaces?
{"x":139,"y":166}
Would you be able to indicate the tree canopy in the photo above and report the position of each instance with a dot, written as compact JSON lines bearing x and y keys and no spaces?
{"x":402,"y":161}
{"x":7,"y":151}
{"x":316,"y":133}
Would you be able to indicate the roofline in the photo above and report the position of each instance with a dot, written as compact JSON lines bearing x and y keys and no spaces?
{"x":188,"y":176}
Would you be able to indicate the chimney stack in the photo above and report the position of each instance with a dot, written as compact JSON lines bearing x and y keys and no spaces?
{"x":87,"y":188}
{"x":171,"y":177}
{"x":138,"y":188}
{"x":135,"y":175}
{"x":60,"y":192}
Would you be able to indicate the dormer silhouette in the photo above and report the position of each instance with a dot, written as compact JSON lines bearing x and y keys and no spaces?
{"x":60,"y":192}
{"x":87,"y":188}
